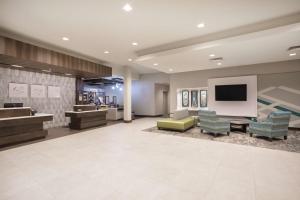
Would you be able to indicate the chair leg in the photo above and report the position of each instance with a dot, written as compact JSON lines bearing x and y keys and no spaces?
{"x":285,"y":137}
{"x":201,"y":130}
{"x":251,"y":134}
{"x":228,"y":133}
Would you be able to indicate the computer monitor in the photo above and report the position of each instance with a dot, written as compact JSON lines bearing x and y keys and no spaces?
{"x":13,"y":105}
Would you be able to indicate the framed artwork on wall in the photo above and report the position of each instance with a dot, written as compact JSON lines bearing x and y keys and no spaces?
{"x":17,"y":90}
{"x":194,"y":98}
{"x":203,"y":98}
{"x":38,"y":91}
{"x":53,"y":92}
{"x":185,"y":98}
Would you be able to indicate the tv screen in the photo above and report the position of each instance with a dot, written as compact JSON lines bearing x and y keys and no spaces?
{"x":231,"y":92}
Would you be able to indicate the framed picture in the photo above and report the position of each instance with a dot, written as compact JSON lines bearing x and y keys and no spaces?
{"x":194,"y":98}
{"x":53,"y":92}
{"x":185,"y":98}
{"x":38,"y":91}
{"x":203,"y":98}
{"x":17,"y":90}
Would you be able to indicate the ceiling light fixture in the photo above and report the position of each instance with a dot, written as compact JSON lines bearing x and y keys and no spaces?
{"x":201,"y":25}
{"x":47,"y":71}
{"x":17,"y":66}
{"x":65,"y":38}
{"x":155,"y":64}
{"x":292,"y":54}
{"x":127,"y":7}
{"x":219,"y":63}
{"x":129,"y":59}
{"x":135,"y":44}
{"x":170,"y":70}
{"x":68,"y":74}
{"x":212,"y":55}
{"x":106,"y":52}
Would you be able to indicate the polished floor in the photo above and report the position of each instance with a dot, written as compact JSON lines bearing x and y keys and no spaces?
{"x":125,"y":163}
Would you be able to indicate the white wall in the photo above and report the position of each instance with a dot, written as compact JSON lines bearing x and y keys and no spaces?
{"x":234,"y":108}
{"x":199,"y":78}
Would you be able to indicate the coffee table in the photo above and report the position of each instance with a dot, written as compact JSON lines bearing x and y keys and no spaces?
{"x":239,"y":126}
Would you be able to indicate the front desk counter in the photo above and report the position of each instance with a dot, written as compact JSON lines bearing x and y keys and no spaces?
{"x":17,"y":125}
{"x":86,"y":119}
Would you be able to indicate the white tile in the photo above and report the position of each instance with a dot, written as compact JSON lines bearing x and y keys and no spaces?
{"x":123,"y":162}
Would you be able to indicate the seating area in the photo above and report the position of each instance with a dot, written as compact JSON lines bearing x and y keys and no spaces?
{"x":274,"y":126}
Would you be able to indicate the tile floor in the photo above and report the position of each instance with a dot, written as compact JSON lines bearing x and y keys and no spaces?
{"x":122,"y":162}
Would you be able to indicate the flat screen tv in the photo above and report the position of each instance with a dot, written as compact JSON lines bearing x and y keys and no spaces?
{"x":231,"y":92}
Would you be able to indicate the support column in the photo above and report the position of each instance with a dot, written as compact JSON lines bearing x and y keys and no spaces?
{"x":127,"y":95}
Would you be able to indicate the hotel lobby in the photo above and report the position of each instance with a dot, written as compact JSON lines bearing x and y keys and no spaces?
{"x":117,"y":100}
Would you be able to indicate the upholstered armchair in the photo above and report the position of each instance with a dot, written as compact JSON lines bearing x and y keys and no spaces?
{"x":211,"y":123}
{"x":275,"y":125}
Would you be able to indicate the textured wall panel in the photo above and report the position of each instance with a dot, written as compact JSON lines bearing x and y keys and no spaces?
{"x":56,"y":106}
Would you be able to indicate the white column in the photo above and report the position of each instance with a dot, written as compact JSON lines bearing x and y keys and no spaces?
{"x":127,"y":94}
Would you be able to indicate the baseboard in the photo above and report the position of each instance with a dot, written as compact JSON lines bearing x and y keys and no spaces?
{"x":127,"y":121}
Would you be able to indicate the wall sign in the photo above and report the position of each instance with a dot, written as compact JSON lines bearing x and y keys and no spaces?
{"x":16,"y":90}
{"x":53,"y":92}
{"x":37,"y":91}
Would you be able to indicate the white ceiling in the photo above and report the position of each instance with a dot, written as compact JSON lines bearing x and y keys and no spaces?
{"x":95,"y":26}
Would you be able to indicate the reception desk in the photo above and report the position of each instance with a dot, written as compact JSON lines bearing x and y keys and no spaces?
{"x":86,"y":119}
{"x":18,"y":125}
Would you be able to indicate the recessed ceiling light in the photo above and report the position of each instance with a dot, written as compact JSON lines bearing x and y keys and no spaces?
{"x":219,"y":63}
{"x":212,"y":55}
{"x":18,"y":66}
{"x":129,"y":59}
{"x":170,"y":70}
{"x":48,"y":71}
{"x":127,"y":7}
{"x":292,"y":54}
{"x":68,"y":74}
{"x":106,"y":52}
{"x":135,"y":44}
{"x":155,"y":64}
{"x":65,"y":38}
{"x":201,"y":25}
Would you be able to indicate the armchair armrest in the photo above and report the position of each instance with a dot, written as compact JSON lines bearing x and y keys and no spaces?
{"x":264,"y":124}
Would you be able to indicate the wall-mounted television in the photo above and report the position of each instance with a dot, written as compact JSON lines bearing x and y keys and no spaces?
{"x":231,"y":92}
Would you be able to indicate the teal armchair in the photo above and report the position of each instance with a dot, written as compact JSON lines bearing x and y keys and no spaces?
{"x":275,"y":125}
{"x":211,"y":123}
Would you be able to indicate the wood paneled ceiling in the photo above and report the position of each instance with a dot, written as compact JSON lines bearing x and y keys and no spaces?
{"x":34,"y":58}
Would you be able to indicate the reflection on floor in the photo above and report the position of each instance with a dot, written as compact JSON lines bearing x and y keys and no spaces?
{"x":56,"y":133}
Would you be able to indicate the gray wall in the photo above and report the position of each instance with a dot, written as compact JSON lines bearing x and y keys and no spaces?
{"x":272,"y":75}
{"x":43,"y":105}
{"x":147,"y":94}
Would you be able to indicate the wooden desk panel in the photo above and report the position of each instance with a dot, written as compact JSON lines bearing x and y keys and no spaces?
{"x":86,"y":119}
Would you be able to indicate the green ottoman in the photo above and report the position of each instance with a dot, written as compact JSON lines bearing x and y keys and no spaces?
{"x":177,"y":125}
